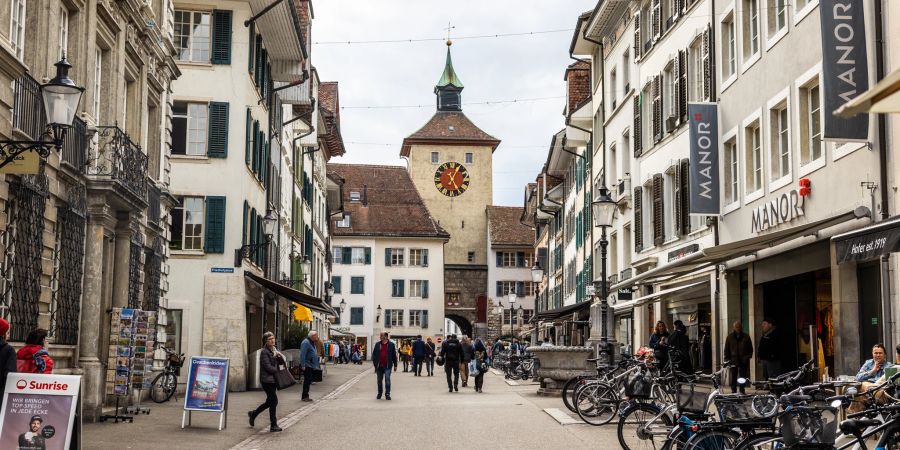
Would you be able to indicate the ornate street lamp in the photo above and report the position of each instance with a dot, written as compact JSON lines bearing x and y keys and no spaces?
{"x":305,"y":267}
{"x":60,"y":97}
{"x":604,"y":209}
{"x":511,"y":297}
{"x":270,"y":221}
{"x":537,"y":273}
{"x":378,"y":316}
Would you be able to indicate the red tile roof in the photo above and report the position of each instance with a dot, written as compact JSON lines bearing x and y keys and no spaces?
{"x":331,"y":111}
{"x":452,"y":128}
{"x":505,"y":228}
{"x":389,"y":203}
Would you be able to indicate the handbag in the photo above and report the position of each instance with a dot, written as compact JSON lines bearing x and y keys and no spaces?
{"x":315,"y":375}
{"x":283,"y":378}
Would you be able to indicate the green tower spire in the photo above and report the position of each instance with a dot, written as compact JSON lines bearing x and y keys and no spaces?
{"x":449,"y":88}
{"x":449,"y":77}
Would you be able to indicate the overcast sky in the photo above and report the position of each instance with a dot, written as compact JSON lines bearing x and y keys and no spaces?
{"x":505,"y":68}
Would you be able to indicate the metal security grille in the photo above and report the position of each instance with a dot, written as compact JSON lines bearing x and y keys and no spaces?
{"x":68,"y":268}
{"x":134,"y":270}
{"x":21,"y":270}
{"x":152,"y":269}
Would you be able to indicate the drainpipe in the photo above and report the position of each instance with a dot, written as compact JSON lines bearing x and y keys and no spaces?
{"x":885,"y":262}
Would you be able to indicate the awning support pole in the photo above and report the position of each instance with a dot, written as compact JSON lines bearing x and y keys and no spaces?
{"x":261,"y":13}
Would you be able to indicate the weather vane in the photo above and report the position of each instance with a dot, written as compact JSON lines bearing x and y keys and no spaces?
{"x":449,"y":27}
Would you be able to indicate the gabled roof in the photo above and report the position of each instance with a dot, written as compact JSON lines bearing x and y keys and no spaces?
{"x":389,"y":204}
{"x":450,"y":128}
{"x":505,"y":227}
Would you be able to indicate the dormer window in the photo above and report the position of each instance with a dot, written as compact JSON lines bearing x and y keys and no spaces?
{"x":345,"y":222}
{"x":354,"y":196}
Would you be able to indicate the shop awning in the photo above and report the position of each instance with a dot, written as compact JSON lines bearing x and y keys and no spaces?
{"x":640,"y":301}
{"x":883,"y":98}
{"x":339,"y":332}
{"x":875,"y":240}
{"x":560,"y":312}
{"x":732,"y":250}
{"x":291,"y":295}
{"x":302,"y":313}
{"x":279,"y":24}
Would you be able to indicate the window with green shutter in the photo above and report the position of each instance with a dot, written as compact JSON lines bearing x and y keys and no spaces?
{"x":397,"y":288}
{"x":246,"y":223}
{"x":251,"y":41}
{"x":357,"y":285}
{"x":217,"y":144}
{"x":424,"y":318}
{"x":368,"y":255}
{"x":425,"y":289}
{"x":336,"y":283}
{"x":215,"y":225}
{"x":221,"y":37}
{"x":248,"y":144}
{"x":254,"y":164}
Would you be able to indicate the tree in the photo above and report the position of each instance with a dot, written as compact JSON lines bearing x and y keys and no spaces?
{"x":296,"y":333}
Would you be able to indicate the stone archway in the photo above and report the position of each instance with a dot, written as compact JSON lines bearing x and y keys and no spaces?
{"x":464,"y":324}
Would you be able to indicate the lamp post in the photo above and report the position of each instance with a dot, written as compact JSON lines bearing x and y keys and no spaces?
{"x":511,"y":297}
{"x":341,"y":307}
{"x":500,"y":313}
{"x":60,"y":98}
{"x":603,"y":209}
{"x":270,"y":221}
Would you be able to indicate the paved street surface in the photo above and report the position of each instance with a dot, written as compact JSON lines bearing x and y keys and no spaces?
{"x":346,"y":415}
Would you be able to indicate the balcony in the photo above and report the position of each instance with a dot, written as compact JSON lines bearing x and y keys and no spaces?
{"x":28,"y":109}
{"x":117,"y":159}
{"x":75,"y":146}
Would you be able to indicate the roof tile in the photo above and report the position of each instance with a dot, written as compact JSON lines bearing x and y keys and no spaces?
{"x":449,"y":126}
{"x":505,"y":227}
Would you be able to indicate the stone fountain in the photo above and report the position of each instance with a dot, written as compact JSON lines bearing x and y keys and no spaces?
{"x":557,"y":364}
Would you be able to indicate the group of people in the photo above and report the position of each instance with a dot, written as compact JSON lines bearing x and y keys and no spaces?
{"x":417,"y":354}
{"x":342,"y":352}
{"x":33,"y":357}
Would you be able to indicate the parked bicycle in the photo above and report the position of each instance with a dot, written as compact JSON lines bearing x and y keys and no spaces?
{"x":166,"y":383}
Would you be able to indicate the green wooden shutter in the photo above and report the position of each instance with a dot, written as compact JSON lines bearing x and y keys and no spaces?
{"x":499,"y":259}
{"x":251,"y":43}
{"x":425,"y":257}
{"x":336,"y":283}
{"x":254,"y":164}
{"x":424,"y":288}
{"x":215,"y":224}
{"x":402,"y":288}
{"x":248,"y":137}
{"x":221,"y":37}
{"x":244,"y":218}
{"x":424,"y":318}
{"x":368,"y":255}
{"x":387,"y":257}
{"x":217,"y":131}
{"x":387,"y":318}
{"x":347,"y":254}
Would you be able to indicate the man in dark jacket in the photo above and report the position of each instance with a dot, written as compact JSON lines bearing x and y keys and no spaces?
{"x":418,"y":355}
{"x":384,"y":358}
{"x":738,"y":350}
{"x":451,"y":351}
{"x":7,"y":356}
{"x":430,"y":353}
{"x":468,"y":354}
{"x":681,"y":344}
{"x":767,"y":351}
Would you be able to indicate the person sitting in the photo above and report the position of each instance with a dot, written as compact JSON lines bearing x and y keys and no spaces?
{"x":873,"y":369}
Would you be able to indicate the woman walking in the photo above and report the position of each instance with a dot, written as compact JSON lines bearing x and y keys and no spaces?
{"x":480,"y":364}
{"x":405,"y":353}
{"x":268,"y":367}
{"x":659,"y":344}
{"x":33,"y":357}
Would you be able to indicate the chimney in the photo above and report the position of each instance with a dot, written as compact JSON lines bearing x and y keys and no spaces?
{"x":365,"y":196}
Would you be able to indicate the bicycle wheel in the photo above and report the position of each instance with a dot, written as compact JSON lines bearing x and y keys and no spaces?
{"x":760,"y":441}
{"x":712,"y":440}
{"x":568,"y":391}
{"x":163,"y":387}
{"x":597,"y":404}
{"x":636,"y":431}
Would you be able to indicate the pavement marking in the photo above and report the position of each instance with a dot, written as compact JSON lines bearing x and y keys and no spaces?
{"x":257,"y":441}
{"x":561,"y":416}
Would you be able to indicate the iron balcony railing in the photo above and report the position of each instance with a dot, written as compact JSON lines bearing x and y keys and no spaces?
{"x":28,"y":109}
{"x":75,"y":145}
{"x":118,"y":158}
{"x":153,"y":200}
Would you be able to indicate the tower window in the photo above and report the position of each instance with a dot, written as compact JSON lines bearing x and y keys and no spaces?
{"x":469,"y":158}
{"x":463,"y":224}
{"x":471,"y":257}
{"x":435,"y":157}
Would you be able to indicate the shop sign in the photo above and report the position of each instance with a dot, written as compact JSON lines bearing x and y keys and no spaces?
{"x":868,"y":245}
{"x":782,"y":209}
{"x":624,"y":294}
{"x":679,"y":253}
{"x":342,"y":329}
{"x":704,"y":171}
{"x":39,"y":411}
{"x":26,"y":163}
{"x":845,"y":73}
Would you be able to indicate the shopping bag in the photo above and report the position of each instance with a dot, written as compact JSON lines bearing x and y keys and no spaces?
{"x":315,"y":375}
{"x":283,"y":378}
{"x":473,"y":368}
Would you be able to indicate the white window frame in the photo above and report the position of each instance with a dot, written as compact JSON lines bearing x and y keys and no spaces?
{"x":782,"y":99}
{"x":613,"y":98}
{"x":191,"y":58}
{"x":415,"y":318}
{"x":337,"y":255}
{"x":395,"y":318}
{"x":398,"y":257}
{"x":732,"y":170}
{"x":774,"y":36}
{"x":731,"y":62}
{"x":753,"y":121}
{"x":626,"y":73}
{"x":415,"y":257}
{"x":358,"y":255}
{"x":415,"y":288}
{"x":804,"y":82}
{"x":749,"y":59}
{"x":508,"y":259}
{"x":63,"y":31}
{"x":184,"y":224}
{"x":196,"y":125}
{"x":668,"y":96}
{"x":800,"y":14}
{"x":17,"y":25}
{"x":695,"y":70}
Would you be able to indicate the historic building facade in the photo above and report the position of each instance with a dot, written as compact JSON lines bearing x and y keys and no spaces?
{"x":510,"y":260}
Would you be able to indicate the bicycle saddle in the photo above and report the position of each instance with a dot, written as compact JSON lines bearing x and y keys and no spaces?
{"x":857,"y":426}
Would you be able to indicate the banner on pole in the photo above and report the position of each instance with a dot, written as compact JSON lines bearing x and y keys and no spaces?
{"x":704,"y":172}
{"x":845,"y":72}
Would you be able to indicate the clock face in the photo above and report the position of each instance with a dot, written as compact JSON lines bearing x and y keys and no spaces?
{"x":451,"y":179}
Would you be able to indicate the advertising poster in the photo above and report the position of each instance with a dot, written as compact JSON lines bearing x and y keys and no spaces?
{"x":38,"y":411}
{"x":207,"y":384}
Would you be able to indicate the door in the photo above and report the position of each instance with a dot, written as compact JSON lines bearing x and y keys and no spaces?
{"x":868,"y":280}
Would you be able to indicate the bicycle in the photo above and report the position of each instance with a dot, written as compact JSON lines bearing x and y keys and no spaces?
{"x":165,"y":384}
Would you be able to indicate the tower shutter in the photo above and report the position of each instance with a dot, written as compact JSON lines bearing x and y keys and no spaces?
{"x":656,"y":15}
{"x":638,"y":219}
{"x":387,"y":257}
{"x":657,"y":109}
{"x":221,"y":39}
{"x":676,"y":89}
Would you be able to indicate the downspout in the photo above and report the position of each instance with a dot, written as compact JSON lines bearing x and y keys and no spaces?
{"x":885,"y":260}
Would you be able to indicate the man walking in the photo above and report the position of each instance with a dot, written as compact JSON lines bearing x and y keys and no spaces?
{"x":451,"y":351}
{"x":418,"y":350}
{"x":384,"y":358}
{"x":468,"y":353}
{"x":738,"y":350}
{"x":429,"y":356}
{"x":309,"y":361}
{"x":680,"y":347}
{"x":767,"y":351}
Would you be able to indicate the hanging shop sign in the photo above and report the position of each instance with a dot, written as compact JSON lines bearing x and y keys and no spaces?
{"x":704,"y":172}
{"x":845,"y":73}
{"x":679,"y":253}
{"x":39,"y":411}
{"x":782,"y":209}
{"x":868,"y":244}
{"x":207,"y":388}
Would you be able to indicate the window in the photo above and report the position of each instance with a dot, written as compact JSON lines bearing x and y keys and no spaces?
{"x":396,"y":256}
{"x":187,"y":224}
{"x":695,"y":71}
{"x":626,"y":75}
{"x":397,"y":288}
{"x":337,"y":255}
{"x":17,"y":28}
{"x":469,"y":158}
{"x":781,"y":141}
{"x":750,"y":21}
{"x":356,"y":316}
{"x":418,"y":257}
{"x":393,"y":318}
{"x":358,"y":255}
{"x":418,"y":288}
{"x":668,"y":95}
{"x":728,"y":48}
{"x":354,"y":196}
{"x":344,"y":222}
{"x":613,"y":85}
{"x":63,"y":31}
{"x":753,"y":158}
{"x":357,"y":285}
{"x":470,"y":257}
{"x":777,"y":16}
{"x":810,"y":123}
{"x":415,"y":318}
{"x":98,"y":86}
{"x":647,"y":116}
{"x":336,"y":284}
{"x":507,"y":259}
{"x":435,"y":157}
{"x":189,"y":133}
{"x":192,"y":39}
{"x":731,"y":171}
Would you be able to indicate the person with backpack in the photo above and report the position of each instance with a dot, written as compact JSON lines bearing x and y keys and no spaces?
{"x":451,"y":352}
{"x":33,"y":357}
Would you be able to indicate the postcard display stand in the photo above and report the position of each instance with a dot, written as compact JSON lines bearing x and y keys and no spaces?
{"x":131,"y":341}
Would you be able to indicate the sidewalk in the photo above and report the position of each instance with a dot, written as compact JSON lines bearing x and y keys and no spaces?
{"x":161,"y":429}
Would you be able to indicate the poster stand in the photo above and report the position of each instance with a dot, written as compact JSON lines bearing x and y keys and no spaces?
{"x":207,"y":389}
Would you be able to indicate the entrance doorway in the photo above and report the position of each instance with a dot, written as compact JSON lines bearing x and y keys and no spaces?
{"x":870,"y":317}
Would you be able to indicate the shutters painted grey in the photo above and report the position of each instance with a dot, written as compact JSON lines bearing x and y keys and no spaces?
{"x":638,"y":45}
{"x":387,"y":318}
{"x":424,"y":318}
{"x":638,"y":219}
{"x":387,"y":257}
{"x":425,"y":257}
{"x":215,"y":225}
{"x":682,"y":92}
{"x":657,"y":109}
{"x":248,"y":144}
{"x":707,"y":68}
{"x":685,"y":196}
{"x":368,"y":254}
{"x":346,"y":255}
{"x":357,"y":285}
{"x":656,"y":15}
{"x":499,"y":259}
{"x":520,"y":259}
{"x":217,"y":131}
{"x":659,"y":228}
{"x":676,"y":219}
{"x":336,"y":283}
{"x":636,"y":129}
{"x":499,"y":289}
{"x":520,"y":288}
{"x":424,"y":288}
{"x":221,"y":37}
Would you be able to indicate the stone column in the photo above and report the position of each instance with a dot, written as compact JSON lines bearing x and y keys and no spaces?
{"x":122,"y":261}
{"x":93,"y":310}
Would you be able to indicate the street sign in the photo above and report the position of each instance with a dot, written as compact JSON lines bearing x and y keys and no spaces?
{"x":222,"y":269}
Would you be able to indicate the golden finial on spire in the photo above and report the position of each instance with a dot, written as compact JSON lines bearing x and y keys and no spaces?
{"x":449,"y":27}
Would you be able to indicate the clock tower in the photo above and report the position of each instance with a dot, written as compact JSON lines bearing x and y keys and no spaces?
{"x":450,"y":163}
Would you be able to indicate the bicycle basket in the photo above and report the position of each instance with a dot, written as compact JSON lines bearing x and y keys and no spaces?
{"x":809,"y":426}
{"x":691,"y":397}
{"x":746,"y":408}
{"x":638,"y":386}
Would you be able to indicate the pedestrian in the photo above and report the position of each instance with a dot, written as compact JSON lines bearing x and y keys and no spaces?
{"x":481,"y":363}
{"x":767,"y":351}
{"x":546,"y":342}
{"x":451,"y":352}
{"x":429,"y":356}
{"x":738,"y":350}
{"x":659,"y":345}
{"x":384,"y":358}
{"x":405,"y":353}
{"x":33,"y":357}
{"x":514,"y":348}
{"x":468,"y":354}
{"x":680,"y":347}
{"x":496,"y":349}
{"x":309,"y":362}
{"x":418,"y":354}
{"x":7,"y":356}
{"x":268,"y":367}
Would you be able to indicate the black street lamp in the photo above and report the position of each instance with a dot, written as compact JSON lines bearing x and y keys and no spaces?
{"x":269,"y":223}
{"x":60,"y":97}
{"x":603,"y":209}
{"x":378,"y":316}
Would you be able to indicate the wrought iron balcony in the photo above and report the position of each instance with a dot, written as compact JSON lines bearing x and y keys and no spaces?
{"x":75,"y":146}
{"x":117,"y":158}
{"x":28,"y":109}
